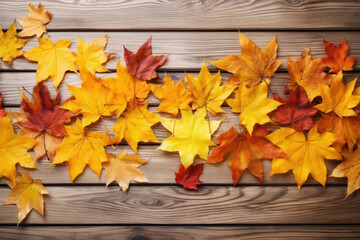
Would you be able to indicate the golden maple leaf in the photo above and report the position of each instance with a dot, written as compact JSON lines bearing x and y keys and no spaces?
{"x":13,"y":150}
{"x":338,"y":98}
{"x":93,"y":100}
{"x":173,"y":96}
{"x":10,"y":45}
{"x":92,"y":55}
{"x":135,"y":125}
{"x":253,"y":65}
{"x":207,"y":91}
{"x":308,"y":73}
{"x":53,"y":60}
{"x":80,"y":149}
{"x":253,"y":105}
{"x":27,"y":194}
{"x":190,"y":135}
{"x":123,"y":168}
{"x":34,"y":23}
{"x":350,"y":168}
{"x":305,"y":155}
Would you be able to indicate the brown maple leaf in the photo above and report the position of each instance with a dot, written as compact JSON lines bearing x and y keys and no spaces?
{"x":143,"y":64}
{"x":297,"y":110}
{"x":43,"y":120}
{"x":189,"y":177}
{"x":243,"y":151}
{"x":338,"y":58}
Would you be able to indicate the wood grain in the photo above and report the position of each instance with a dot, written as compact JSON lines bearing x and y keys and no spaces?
{"x":176,"y":205}
{"x":196,"y":14}
{"x":294,"y":232}
{"x":188,"y":50}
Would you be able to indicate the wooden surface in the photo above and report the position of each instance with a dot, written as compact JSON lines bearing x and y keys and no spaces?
{"x":189,"y":32}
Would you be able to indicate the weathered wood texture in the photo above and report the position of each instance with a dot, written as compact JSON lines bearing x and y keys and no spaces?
{"x":188,"y":50}
{"x":301,"y":232}
{"x":208,"y":205}
{"x":195,"y":14}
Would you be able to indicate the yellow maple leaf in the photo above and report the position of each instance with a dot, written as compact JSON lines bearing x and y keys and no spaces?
{"x":190,"y":135}
{"x":123,"y":168}
{"x":134,"y":125}
{"x":253,"y":65}
{"x":305,"y":155}
{"x":350,"y":168}
{"x":338,"y":97}
{"x":92,"y":55}
{"x":34,"y":23}
{"x":93,"y":100}
{"x":13,"y":150}
{"x":80,"y":149}
{"x":308,"y":73}
{"x":27,"y":194}
{"x":10,"y":45}
{"x":173,"y":96}
{"x":53,"y":60}
{"x":207,"y":91}
{"x":253,"y":105}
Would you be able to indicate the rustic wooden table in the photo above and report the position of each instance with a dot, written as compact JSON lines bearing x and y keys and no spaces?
{"x":189,"y":32}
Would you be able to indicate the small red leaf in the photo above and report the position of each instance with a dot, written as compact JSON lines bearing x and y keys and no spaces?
{"x":3,"y":113}
{"x":189,"y":178}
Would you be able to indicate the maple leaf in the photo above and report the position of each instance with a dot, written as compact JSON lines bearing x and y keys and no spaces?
{"x":123,"y":168}
{"x":43,"y":120}
{"x":338,"y":97}
{"x":253,"y":65}
{"x":143,"y":64}
{"x":173,"y":96}
{"x":34,"y":23}
{"x":3,"y":113}
{"x":207,"y":91}
{"x":53,"y":60}
{"x":93,"y":100}
{"x":27,"y":194}
{"x":346,"y":129}
{"x":135,"y":125}
{"x":189,"y":177}
{"x":124,"y":84}
{"x":308,"y":73}
{"x":350,"y":168}
{"x":13,"y":150}
{"x":243,"y":151}
{"x":9,"y":45}
{"x":305,"y":155}
{"x":253,"y":105}
{"x":80,"y":149}
{"x":297,"y":110}
{"x":190,"y":136}
{"x":92,"y":55}
{"x":338,"y":57}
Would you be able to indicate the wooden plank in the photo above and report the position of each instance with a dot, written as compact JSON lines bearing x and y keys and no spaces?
{"x":208,"y":205}
{"x":161,"y":167}
{"x":175,"y":15}
{"x":11,"y":82}
{"x":188,"y":50}
{"x":294,"y":232}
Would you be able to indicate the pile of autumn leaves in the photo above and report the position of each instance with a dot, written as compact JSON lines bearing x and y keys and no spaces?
{"x":57,"y":129}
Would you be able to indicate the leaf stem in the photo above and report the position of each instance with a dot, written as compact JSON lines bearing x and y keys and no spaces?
{"x":207,"y":115}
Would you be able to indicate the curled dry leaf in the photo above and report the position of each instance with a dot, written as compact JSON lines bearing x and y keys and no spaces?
{"x":191,"y":135}
{"x":143,"y":64}
{"x":123,"y":168}
{"x":27,"y":194}
{"x":34,"y":23}
{"x":189,"y":177}
{"x":10,"y":45}
{"x":338,"y":57}
{"x":253,"y":65}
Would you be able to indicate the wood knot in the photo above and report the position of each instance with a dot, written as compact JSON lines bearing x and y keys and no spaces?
{"x":295,"y":2}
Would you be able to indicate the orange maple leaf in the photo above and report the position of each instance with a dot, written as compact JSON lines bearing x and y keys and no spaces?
{"x":338,"y":58}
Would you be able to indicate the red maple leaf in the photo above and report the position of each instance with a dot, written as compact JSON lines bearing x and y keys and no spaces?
{"x":189,"y":178}
{"x":143,"y":64}
{"x":338,"y":58}
{"x":297,"y":110}
{"x":3,"y":113}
